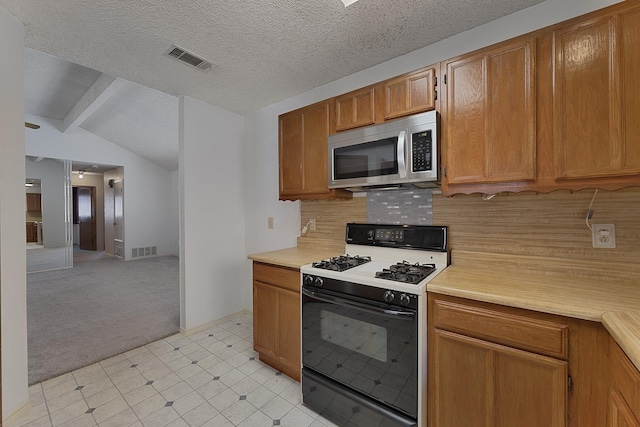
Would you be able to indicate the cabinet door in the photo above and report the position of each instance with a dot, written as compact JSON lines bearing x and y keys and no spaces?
{"x":289,"y":329}
{"x":34,"y":203}
{"x":597,"y":97}
{"x":410,"y":94}
{"x":291,"y":153}
{"x":490,"y":115}
{"x":265,"y":318}
{"x":355,"y":109}
{"x":303,"y":151}
{"x":478,"y":383}
{"x":620,"y":414}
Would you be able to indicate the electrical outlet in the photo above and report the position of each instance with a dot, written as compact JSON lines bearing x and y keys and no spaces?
{"x":312,"y":224}
{"x":603,"y":235}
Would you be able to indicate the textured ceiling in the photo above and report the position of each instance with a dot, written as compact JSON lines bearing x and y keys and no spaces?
{"x":264,"y":51}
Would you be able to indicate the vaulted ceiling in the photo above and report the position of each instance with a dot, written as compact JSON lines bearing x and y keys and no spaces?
{"x":263,"y":52}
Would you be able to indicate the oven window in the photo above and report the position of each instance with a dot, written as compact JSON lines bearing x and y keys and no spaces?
{"x":376,"y":158}
{"x":354,"y":335}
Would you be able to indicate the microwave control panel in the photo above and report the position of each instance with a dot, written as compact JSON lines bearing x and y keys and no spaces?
{"x":421,"y":143}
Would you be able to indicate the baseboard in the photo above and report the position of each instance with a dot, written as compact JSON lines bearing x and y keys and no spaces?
{"x":18,"y":413}
{"x":197,"y":329}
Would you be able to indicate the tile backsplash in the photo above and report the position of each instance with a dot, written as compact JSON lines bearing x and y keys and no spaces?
{"x":407,"y":206}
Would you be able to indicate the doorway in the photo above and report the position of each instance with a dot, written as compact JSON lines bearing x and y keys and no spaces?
{"x":84,"y":215}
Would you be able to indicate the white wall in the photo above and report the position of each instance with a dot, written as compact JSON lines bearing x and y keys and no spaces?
{"x":13,"y":267}
{"x":147,"y":186}
{"x":261,"y":140}
{"x":109,"y":206}
{"x":212,"y":210}
{"x":175,"y":213}
{"x":51,"y":174}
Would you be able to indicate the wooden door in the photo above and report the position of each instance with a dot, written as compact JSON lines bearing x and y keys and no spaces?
{"x":355,"y":109}
{"x":482,"y":384}
{"x":265,"y":319}
{"x":410,"y":94}
{"x":32,"y":232}
{"x":86,"y":207}
{"x":597,"y":97}
{"x":490,"y":115}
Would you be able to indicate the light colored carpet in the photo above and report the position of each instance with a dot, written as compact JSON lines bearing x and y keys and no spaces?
{"x":41,"y":259}
{"x":98,"y":309}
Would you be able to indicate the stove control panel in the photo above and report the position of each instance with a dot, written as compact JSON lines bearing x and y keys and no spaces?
{"x":372,"y":293}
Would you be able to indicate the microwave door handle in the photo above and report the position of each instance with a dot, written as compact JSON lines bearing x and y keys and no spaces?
{"x":402,"y":168}
{"x":359,"y":306}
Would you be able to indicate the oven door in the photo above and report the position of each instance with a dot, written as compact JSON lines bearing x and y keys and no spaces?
{"x":364,"y":346}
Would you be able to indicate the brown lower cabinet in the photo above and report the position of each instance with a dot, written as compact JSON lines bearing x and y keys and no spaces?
{"x":498,"y":366}
{"x":276,"y":317}
{"x":624,"y":396}
{"x":488,"y":370}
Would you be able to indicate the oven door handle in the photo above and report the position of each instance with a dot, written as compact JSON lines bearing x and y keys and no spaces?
{"x":360,"y":306}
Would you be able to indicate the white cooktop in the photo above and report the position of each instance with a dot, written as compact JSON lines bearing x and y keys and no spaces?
{"x":381,"y":258}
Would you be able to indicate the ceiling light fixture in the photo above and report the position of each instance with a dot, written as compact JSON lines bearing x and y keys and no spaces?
{"x":348,"y":2}
{"x":80,"y":174}
{"x":28,"y":184}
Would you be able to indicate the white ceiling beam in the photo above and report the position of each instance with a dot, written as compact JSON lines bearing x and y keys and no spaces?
{"x":103,"y":89}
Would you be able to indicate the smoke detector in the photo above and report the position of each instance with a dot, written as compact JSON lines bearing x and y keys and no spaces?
{"x":189,"y":58}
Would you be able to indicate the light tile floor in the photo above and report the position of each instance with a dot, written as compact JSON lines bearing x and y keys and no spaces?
{"x":211,"y":378}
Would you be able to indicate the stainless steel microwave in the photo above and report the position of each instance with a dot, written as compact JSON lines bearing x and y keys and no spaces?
{"x":392,"y":154}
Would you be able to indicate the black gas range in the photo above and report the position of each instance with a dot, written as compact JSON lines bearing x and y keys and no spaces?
{"x":363,"y":323}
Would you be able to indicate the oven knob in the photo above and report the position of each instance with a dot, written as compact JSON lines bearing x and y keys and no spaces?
{"x":388,"y":296}
{"x":404,"y":299}
{"x":308,"y":280}
{"x":319,"y":281}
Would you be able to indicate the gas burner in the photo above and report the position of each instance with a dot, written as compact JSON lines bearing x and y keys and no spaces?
{"x":406,"y":272}
{"x":342,"y":262}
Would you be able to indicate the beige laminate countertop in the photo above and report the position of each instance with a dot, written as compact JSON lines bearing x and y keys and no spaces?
{"x":615,"y":303}
{"x":293,"y":257}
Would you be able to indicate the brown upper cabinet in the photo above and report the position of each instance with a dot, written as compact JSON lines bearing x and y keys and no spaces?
{"x":302,"y":144}
{"x":355,"y":109}
{"x":596,"y":97}
{"x":489,"y":115}
{"x":410,"y":94}
{"x":400,"y":96}
{"x":554,"y":109}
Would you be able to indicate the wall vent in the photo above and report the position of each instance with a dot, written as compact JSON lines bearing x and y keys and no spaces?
{"x":144,"y":252}
{"x":189,"y":58}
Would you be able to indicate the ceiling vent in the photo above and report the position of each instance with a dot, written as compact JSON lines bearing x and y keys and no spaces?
{"x":189,"y":58}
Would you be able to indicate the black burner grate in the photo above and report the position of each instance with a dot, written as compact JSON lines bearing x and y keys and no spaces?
{"x":406,"y":272}
{"x":342,"y":262}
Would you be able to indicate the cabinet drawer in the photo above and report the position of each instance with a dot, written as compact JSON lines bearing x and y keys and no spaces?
{"x":282,"y":277}
{"x":511,"y":327}
{"x":626,"y":377}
